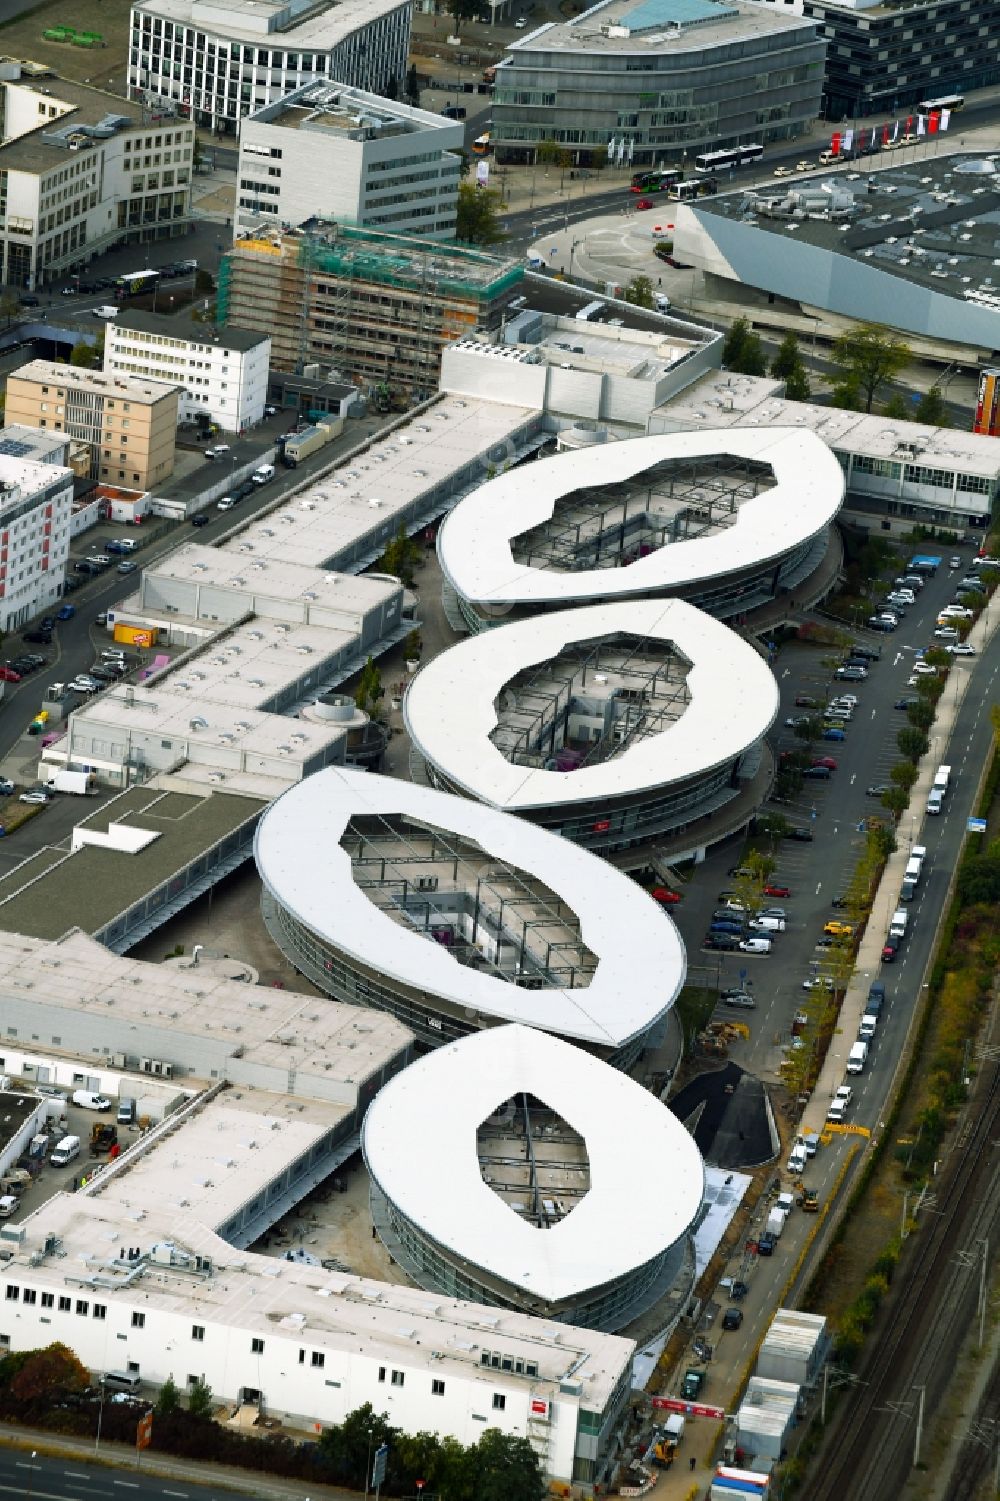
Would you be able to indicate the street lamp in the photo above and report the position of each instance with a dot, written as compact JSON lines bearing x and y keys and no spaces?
{"x":100,"y":1417}
{"x":31,"y":1472}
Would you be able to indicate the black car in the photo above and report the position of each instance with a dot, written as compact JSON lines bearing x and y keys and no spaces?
{"x":803,"y":835}
{"x":721,"y":941}
{"x":765,"y":1244}
{"x":867,"y":653}
{"x":42,"y":638}
{"x":70,"y":584}
{"x":907,"y":703}
{"x":738,"y":1290}
{"x":732,"y":1318}
{"x":30,"y":302}
{"x":200,"y":518}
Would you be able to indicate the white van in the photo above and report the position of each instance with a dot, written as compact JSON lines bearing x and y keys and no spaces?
{"x":897,"y":928}
{"x":122,"y":1381}
{"x":942,"y":777}
{"x":857,"y":1058}
{"x":86,"y":1099}
{"x":66,"y":1151}
{"x":935,"y":800}
{"x":264,"y":473}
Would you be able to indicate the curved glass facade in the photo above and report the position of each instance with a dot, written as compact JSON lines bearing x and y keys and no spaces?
{"x":432,"y":1019}
{"x":437,"y":1269}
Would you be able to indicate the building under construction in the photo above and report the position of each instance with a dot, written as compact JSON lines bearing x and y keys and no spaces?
{"x":377,"y":308}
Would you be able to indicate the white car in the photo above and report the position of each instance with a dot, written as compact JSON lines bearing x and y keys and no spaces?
{"x":34,"y":797}
{"x":84,"y":684}
{"x":766,"y":924}
{"x":954,"y":612}
{"x":961,"y":649}
{"x":226,"y":503}
{"x":924,"y":670}
{"x":782,"y":172}
{"x":804,"y":166}
{"x":818,"y":982}
{"x":946,"y":633}
{"x":755,"y":945}
{"x":520,"y":23}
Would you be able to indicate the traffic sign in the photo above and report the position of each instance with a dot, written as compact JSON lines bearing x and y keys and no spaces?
{"x":379,"y":1465}
{"x":144,"y":1431}
{"x":976,"y":825}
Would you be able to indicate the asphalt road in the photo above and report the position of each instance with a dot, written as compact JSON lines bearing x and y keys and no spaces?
{"x":820,"y":871}
{"x":43,"y":1479}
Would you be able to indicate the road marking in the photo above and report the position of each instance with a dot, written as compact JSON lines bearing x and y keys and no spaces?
{"x":132,"y":1485}
{"x":75,"y":1475}
{"x":175,"y":1493}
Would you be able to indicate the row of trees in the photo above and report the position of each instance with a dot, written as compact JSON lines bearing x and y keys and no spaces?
{"x":868,"y":359}
{"x":50,"y":1389}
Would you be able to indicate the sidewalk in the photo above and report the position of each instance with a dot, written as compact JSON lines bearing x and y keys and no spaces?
{"x":122,"y":1457}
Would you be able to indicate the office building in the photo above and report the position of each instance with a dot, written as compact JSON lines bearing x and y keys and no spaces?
{"x":889,"y":55}
{"x":341,"y":153}
{"x":221,"y":372}
{"x":129,"y":424}
{"x":614,"y":725}
{"x":216,"y":61}
{"x":379,"y":308}
{"x":456,"y":918}
{"x":82,"y":170}
{"x":658,"y":81}
{"x":36,"y":504}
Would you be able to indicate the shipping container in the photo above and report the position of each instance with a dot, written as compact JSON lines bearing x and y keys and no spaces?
{"x":137,"y":635}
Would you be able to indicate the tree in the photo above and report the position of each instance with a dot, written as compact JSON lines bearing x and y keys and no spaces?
{"x":921,"y":714}
{"x":903,"y":774}
{"x":83,"y":354}
{"x":369,"y":689}
{"x":477,"y":222}
{"x":548,"y":152}
{"x":896,"y":407}
{"x":9,"y":306}
{"x":200,"y":1400}
{"x":203,"y":281}
{"x":846,"y":393}
{"x":169,"y":1400}
{"x":401,"y":557}
{"x":912,"y":742}
{"x":931,"y":409}
{"x":870,"y":357}
{"x":599,"y":158}
{"x":54,"y":1369}
{"x":896,"y":799}
{"x":639,"y":292}
{"x":788,"y":366}
{"x":743,"y":351}
{"x":462,"y":10}
{"x":506,"y":1468}
{"x":412,"y":87}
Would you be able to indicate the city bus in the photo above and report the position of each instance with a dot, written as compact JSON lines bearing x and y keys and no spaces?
{"x":730,"y":157}
{"x":657,"y":180}
{"x":135,"y":282}
{"x":481,"y":144}
{"x":694,"y":187}
{"x":947,"y":101}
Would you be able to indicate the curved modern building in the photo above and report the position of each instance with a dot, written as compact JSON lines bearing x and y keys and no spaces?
{"x":455,"y":918}
{"x":612,"y":725}
{"x":514,"y":1170}
{"x":726,"y":519}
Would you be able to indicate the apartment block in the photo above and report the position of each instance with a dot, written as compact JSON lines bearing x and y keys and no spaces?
{"x":350,"y":156}
{"x":377,"y":308}
{"x":216,"y":61}
{"x":36,"y":502}
{"x":130,"y":425}
{"x":222,"y":373}
{"x":82,"y":170}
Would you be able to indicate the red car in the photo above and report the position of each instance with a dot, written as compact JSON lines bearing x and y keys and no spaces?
{"x":890,"y":951}
{"x":8,"y":675}
{"x":826,"y":761}
{"x":644,"y":203}
{"x":665,"y":896}
{"x":777,"y":891}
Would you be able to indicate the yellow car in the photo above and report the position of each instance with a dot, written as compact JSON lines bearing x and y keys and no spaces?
{"x":838,"y":929}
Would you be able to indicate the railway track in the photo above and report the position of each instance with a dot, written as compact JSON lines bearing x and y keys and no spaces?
{"x":869,"y":1450}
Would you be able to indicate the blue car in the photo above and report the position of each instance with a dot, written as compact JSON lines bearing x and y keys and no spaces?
{"x":66,"y":612}
{"x":833,"y":734}
{"x":726,"y":927}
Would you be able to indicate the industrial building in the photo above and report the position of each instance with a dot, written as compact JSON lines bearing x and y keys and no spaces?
{"x":82,"y":170}
{"x":350,"y":156}
{"x":614,"y":725}
{"x":249,"y":1098}
{"x":129,"y":424}
{"x":379,"y":308}
{"x":889,"y":55}
{"x":215,"y":61}
{"x":897,"y":474}
{"x":658,"y":81}
{"x":455,"y":918}
{"x":917,"y":238}
{"x":221,"y":372}
{"x":727,"y":520}
{"x":36,"y":506}
{"x":534,"y":1218}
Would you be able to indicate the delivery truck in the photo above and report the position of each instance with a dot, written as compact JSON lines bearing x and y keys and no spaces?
{"x":80,"y":783}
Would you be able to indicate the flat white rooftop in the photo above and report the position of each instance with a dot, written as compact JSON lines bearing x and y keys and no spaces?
{"x":419,"y":1141}
{"x":640,"y":956}
{"x":451,"y":705}
{"x":232,"y":18}
{"x":277,"y":1028}
{"x":272,"y":578}
{"x":652,"y":26}
{"x":476,"y":549}
{"x":332,"y":1310}
{"x":249,"y":666}
{"x":747,"y":402}
{"x":22,"y":478}
{"x":368,"y":496}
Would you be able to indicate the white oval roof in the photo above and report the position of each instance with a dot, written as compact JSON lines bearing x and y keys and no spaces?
{"x":641,"y":960}
{"x":449,"y":707}
{"x":474,"y":544}
{"x":646,"y":1174}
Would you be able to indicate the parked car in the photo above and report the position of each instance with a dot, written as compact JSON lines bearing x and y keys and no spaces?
{"x":35,"y":795}
{"x":817,"y":773}
{"x":907,"y":702}
{"x":773,"y":889}
{"x":877,"y":789}
{"x":755,"y":945}
{"x":721,"y":941}
{"x":665,"y":896}
{"x":833,"y":732}
{"x":818,"y":982}
{"x":741,"y":999}
{"x":804,"y":836}
{"x":961,"y":649}
{"x":66,"y":612}
{"x":838,"y":929}
{"x":765,"y":1244}
{"x":806,"y":701}
{"x":41,"y":638}
{"x":826,"y":761}
{"x":889,"y":950}
{"x":924,"y":670}
{"x":955,"y":562}
{"x":946,"y":633}
{"x":8,"y":675}
{"x":732,"y":1318}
